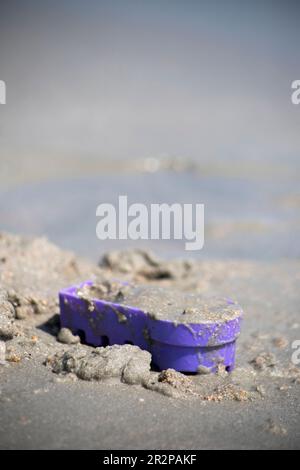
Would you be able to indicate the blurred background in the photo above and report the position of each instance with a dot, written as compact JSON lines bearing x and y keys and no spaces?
{"x":164,"y":101}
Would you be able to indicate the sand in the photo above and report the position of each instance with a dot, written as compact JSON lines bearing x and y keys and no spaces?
{"x":165,"y":304}
{"x":58,"y":393}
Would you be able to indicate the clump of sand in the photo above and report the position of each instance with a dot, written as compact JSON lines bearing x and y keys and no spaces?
{"x":66,"y":336}
{"x":127,"y":362}
{"x":8,"y":328}
{"x":146,"y":265}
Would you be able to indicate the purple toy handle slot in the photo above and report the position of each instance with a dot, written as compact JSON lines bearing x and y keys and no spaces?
{"x":185,"y":347}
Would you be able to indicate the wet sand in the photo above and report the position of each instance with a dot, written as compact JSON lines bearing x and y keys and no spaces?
{"x":257,"y":405}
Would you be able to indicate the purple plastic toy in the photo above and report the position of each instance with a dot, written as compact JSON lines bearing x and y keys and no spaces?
{"x":185,"y":347}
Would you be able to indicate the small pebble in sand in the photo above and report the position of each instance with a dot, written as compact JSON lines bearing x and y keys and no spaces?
{"x":66,"y":336}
